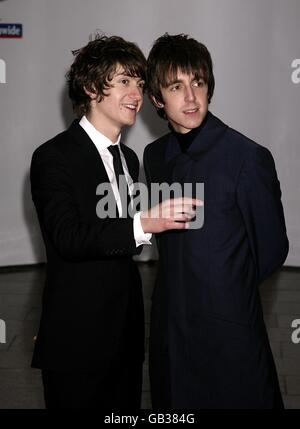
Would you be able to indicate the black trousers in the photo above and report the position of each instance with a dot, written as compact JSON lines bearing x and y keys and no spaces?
{"x":119,"y":389}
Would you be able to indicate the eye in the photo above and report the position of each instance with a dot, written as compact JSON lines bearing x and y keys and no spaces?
{"x":199,"y":83}
{"x":175,"y":88}
{"x":125,"y":81}
{"x":141,"y":84}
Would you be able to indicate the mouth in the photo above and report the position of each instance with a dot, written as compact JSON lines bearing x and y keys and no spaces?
{"x":132,"y":107}
{"x":191,"y":111}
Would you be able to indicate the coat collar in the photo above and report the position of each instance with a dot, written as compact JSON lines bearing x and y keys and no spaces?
{"x":207,"y":137}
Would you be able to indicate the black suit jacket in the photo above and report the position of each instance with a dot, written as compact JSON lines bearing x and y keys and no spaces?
{"x":92,"y":315}
{"x":207,"y":325}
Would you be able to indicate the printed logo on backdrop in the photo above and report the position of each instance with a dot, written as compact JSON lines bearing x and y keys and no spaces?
{"x":2,"y":332}
{"x":2,"y":71}
{"x":295,"y":76}
{"x":11,"y":31}
{"x":296,"y":333}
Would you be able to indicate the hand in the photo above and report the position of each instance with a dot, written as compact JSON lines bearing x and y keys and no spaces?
{"x":170,"y":214}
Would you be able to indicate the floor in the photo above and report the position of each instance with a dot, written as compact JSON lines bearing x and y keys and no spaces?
{"x":20,"y":297}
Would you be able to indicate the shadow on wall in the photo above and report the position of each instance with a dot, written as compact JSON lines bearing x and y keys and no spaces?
{"x":29,"y":212}
{"x":269,"y":290}
{"x":156,"y":125}
{"x":66,"y":107}
{"x":31,"y":222}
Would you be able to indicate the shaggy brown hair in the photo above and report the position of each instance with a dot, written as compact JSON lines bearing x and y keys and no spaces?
{"x":95,"y":65}
{"x":179,"y":52}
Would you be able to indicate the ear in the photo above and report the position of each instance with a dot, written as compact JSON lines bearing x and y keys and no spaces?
{"x":92,"y":94}
{"x":157,"y":103}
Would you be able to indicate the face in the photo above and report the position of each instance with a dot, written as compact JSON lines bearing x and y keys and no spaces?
{"x":185,"y":102}
{"x":120,"y":105}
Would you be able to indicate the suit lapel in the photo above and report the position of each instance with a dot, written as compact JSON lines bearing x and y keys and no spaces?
{"x":89,"y":152}
{"x":96,"y":170}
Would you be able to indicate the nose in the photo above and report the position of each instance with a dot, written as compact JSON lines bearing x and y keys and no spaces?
{"x":189,"y":93}
{"x":136,"y":93}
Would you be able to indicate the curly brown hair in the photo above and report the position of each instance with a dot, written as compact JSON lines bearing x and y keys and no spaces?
{"x":95,"y":65}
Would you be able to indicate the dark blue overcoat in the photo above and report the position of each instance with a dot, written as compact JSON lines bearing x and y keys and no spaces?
{"x":208,"y":344}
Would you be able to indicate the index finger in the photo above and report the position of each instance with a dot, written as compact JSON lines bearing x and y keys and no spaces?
{"x":188,"y":200}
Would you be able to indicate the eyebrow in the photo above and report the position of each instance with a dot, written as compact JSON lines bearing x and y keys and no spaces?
{"x":176,"y":80}
{"x":128,"y":75}
{"x":172,"y":82}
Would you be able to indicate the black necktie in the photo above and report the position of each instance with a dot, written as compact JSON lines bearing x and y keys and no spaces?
{"x":118,"y":167}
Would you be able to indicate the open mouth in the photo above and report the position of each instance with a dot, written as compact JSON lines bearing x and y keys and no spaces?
{"x":132,"y":107}
{"x":191,"y":111}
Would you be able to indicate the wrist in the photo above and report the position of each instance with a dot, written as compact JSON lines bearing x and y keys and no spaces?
{"x":145,"y":222}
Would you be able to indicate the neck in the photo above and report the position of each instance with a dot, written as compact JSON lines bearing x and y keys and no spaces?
{"x":107,"y":130}
{"x":186,"y":139}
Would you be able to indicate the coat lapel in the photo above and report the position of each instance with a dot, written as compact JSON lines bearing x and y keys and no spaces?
{"x":89,"y":152}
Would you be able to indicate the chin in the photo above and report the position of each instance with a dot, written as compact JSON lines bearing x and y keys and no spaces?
{"x":192,"y":126}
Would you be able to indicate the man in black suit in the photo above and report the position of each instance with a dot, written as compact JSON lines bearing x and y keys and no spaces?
{"x":208,"y":342}
{"x":90,"y":344}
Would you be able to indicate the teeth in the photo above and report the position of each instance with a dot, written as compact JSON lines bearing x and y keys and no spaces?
{"x":191,"y":111}
{"x":130,"y":106}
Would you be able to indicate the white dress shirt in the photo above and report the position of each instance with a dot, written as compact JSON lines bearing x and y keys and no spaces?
{"x":102,"y":143}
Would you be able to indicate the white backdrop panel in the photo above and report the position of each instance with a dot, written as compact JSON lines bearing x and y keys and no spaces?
{"x":253,"y":45}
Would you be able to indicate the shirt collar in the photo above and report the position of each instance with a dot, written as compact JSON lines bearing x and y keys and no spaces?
{"x":99,"y":139}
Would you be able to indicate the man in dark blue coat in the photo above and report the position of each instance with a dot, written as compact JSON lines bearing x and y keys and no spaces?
{"x":208,"y":344}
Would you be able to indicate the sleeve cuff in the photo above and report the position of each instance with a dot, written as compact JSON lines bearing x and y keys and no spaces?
{"x":139,"y":235}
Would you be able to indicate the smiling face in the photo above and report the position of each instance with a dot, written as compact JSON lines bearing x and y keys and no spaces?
{"x":185,"y":101}
{"x":120,"y":105}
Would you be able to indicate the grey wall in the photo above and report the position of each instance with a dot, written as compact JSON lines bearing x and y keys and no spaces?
{"x":255,"y":48}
